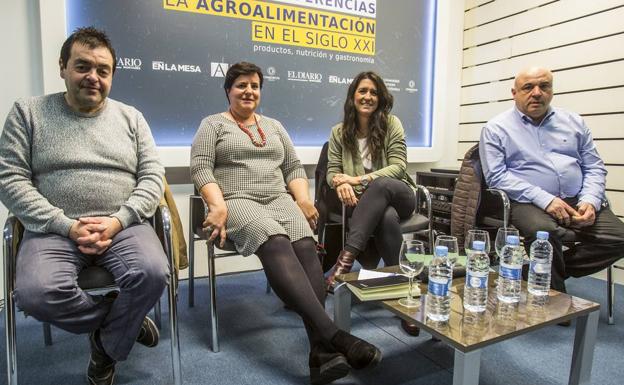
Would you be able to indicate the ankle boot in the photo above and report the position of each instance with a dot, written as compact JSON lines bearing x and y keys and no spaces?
{"x":343,"y":265}
{"x":326,"y":365}
{"x":359,"y":353}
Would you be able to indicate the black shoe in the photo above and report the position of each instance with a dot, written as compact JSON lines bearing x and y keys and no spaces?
{"x":149,"y":334}
{"x":326,"y":366}
{"x":410,"y":328}
{"x":101,"y":369}
{"x":360,"y":354}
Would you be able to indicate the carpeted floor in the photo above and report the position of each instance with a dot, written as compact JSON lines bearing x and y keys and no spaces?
{"x":262,"y":343}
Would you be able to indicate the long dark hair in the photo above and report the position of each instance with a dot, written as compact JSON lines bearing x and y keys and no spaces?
{"x":378,"y":123}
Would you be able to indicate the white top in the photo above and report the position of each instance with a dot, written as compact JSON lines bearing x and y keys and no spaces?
{"x":367,"y":161}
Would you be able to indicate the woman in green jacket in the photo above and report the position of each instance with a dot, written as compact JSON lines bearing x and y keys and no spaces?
{"x":367,"y":160}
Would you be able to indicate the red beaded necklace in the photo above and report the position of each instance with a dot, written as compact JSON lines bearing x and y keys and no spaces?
{"x":249,"y":134}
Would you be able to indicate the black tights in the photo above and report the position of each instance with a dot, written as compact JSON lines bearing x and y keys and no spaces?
{"x":295,"y":274}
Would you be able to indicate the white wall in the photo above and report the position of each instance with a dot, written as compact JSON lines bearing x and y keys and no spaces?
{"x":581,"y":41}
{"x":19,"y":27}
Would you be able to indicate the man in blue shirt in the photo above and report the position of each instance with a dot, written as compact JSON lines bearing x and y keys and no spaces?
{"x":544,"y":158}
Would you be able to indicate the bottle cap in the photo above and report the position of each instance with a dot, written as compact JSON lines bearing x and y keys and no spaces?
{"x":441,"y":251}
{"x":478,"y":245}
{"x":513,"y":240}
{"x":542,"y":235}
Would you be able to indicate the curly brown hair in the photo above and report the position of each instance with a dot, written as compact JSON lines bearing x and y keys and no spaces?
{"x":378,"y":123}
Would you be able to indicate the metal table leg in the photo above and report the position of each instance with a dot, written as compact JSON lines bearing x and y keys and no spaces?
{"x":466,"y":367}
{"x":583,"y":353}
{"x":342,"y":307}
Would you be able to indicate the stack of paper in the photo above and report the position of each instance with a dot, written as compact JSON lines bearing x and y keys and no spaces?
{"x":387,"y":286}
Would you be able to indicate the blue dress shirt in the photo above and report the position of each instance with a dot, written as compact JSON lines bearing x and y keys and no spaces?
{"x":534,"y":163}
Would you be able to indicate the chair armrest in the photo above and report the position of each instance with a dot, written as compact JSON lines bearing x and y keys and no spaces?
{"x":197,"y":214}
{"x":422,"y":189}
{"x":12,"y":236}
{"x":161,"y":221}
{"x":427,"y":194}
{"x":506,"y":205}
{"x":13,"y":233}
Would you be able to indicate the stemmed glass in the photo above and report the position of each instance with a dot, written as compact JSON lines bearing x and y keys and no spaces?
{"x":501,"y":238}
{"x":412,"y":262}
{"x":451,"y":244}
{"x":476,"y":235}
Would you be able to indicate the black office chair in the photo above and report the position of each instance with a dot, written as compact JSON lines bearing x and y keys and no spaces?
{"x":197,"y":213}
{"x":333,"y":214}
{"x":93,"y":279}
{"x":330,"y":223}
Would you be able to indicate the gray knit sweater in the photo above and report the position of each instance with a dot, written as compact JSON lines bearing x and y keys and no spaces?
{"x":57,"y":165}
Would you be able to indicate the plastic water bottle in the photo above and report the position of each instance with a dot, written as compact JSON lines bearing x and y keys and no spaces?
{"x":510,"y":272}
{"x":477,"y":270}
{"x":440,"y":279}
{"x":541,"y":254}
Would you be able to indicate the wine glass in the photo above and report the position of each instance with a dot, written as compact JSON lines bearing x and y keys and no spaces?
{"x":451,"y":244}
{"x":476,"y":235}
{"x":501,"y":238}
{"x":412,"y":262}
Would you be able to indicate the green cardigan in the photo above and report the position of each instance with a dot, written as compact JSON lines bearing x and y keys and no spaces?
{"x":392,"y":163}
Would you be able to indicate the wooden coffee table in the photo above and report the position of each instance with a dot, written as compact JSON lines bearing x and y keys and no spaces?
{"x":468,"y":333}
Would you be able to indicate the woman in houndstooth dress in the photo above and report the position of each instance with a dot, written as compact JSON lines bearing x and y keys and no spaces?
{"x":256,"y":190}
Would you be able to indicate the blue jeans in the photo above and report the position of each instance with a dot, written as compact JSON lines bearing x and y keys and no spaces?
{"x":46,"y":284}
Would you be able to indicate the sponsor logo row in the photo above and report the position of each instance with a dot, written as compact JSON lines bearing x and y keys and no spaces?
{"x":218,"y":70}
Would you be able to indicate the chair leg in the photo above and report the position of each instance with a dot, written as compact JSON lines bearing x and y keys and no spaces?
{"x":344,"y":225}
{"x":191,"y":256}
{"x":10,"y":334}
{"x":158,"y":315}
{"x":212,"y":276}
{"x":173,"y":327}
{"x":610,"y":295}
{"x":172,"y":294}
{"x":47,"y":334}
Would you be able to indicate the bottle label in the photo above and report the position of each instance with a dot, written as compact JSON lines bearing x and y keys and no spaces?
{"x":511,"y":272}
{"x":439,"y":287}
{"x":476,"y":280}
{"x":540,"y":268}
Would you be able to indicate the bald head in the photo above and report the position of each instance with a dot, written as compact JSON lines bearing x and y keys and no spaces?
{"x":533,"y":91}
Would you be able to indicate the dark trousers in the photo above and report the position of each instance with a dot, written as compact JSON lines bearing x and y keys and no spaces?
{"x":595,"y":247}
{"x":383,"y":205}
{"x":46,"y":284}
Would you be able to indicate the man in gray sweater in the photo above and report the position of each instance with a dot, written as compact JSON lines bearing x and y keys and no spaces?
{"x":81,"y":172}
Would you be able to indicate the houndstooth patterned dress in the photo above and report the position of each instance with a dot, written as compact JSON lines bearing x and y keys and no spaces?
{"x":252,"y":179}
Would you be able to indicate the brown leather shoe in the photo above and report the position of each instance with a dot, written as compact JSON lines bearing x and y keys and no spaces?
{"x":410,"y":328}
{"x":343,"y":265}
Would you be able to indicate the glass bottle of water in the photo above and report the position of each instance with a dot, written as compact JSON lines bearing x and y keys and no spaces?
{"x":541,"y":254}
{"x":477,"y":270}
{"x":440,"y":278}
{"x":510,"y":272}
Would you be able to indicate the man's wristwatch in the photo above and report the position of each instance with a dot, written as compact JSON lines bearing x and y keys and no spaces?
{"x":364,"y":181}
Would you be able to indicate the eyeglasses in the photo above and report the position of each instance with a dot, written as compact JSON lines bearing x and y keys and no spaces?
{"x":529,"y":87}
